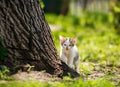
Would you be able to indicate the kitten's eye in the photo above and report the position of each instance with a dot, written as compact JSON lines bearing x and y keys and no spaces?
{"x":64,"y":44}
{"x":70,"y":45}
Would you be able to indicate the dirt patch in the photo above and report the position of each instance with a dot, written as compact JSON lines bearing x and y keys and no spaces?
{"x":35,"y":75}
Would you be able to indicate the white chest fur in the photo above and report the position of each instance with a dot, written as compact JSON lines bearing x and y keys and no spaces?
{"x":70,"y":57}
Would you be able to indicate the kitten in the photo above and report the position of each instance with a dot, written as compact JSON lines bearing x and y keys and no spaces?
{"x":69,"y":52}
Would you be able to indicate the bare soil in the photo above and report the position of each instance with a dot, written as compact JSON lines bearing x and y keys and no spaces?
{"x":35,"y":75}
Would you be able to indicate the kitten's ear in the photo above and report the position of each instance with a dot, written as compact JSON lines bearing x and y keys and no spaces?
{"x":74,"y":40}
{"x":62,"y":39}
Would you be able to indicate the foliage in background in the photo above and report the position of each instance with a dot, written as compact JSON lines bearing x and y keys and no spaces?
{"x":88,"y":19}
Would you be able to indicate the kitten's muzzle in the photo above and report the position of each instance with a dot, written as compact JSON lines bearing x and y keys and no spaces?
{"x":67,"y":48}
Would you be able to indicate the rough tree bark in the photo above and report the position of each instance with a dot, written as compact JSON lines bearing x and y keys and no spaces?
{"x":28,"y":39}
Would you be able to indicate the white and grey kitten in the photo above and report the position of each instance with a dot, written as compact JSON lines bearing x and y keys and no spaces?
{"x":69,"y":52}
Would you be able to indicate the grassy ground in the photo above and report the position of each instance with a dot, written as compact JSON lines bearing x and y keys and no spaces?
{"x":98,"y":45}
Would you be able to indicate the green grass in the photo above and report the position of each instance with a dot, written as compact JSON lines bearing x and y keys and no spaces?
{"x":77,"y":83}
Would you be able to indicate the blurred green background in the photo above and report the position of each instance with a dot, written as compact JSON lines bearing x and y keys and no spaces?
{"x":96,"y":24}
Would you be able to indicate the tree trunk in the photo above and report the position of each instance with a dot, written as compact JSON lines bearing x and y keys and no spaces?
{"x":28,"y":39}
{"x":65,"y":7}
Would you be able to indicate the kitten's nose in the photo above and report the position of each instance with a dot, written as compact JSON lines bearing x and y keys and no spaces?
{"x":66,"y":48}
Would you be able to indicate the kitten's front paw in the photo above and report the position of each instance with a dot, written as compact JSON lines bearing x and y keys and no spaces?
{"x":77,"y":71}
{"x":70,"y":65}
{"x":64,"y":60}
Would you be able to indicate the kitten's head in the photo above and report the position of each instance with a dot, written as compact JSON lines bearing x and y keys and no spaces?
{"x":67,"y":43}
